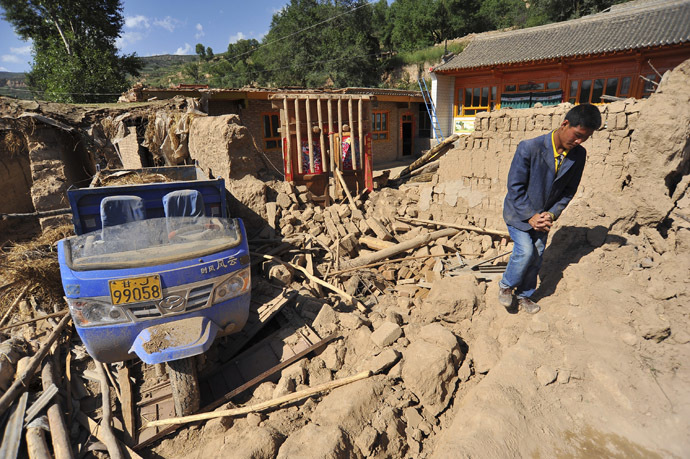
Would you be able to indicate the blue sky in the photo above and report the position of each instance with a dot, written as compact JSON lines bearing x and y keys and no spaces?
{"x":167,"y":27}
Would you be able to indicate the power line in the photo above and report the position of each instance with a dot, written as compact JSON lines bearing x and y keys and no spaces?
{"x":302,"y":30}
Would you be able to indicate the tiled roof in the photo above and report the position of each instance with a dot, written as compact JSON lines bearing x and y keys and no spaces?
{"x":633,"y":25}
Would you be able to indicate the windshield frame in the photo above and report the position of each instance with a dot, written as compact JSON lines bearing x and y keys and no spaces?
{"x":143,"y":262}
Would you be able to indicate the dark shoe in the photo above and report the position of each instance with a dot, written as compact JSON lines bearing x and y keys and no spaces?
{"x":505,"y":296}
{"x":528,"y":305}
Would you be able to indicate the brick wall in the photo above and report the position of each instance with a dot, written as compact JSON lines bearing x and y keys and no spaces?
{"x":471,"y":183}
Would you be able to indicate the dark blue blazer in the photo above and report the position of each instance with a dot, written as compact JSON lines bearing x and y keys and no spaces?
{"x":534,"y":187}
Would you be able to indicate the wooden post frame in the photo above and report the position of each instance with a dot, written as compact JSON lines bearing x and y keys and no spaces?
{"x":361,"y":132}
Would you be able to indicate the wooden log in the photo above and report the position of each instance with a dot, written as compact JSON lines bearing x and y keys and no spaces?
{"x":36,"y":443}
{"x":299,"y":395}
{"x":288,"y":135}
{"x":96,"y":430}
{"x":436,"y":152}
{"x":298,"y":133}
{"x":108,"y":436}
{"x":375,"y":243}
{"x":307,"y":107}
{"x":14,"y":304}
{"x":22,"y":382}
{"x":399,"y":248}
{"x":476,"y":229}
{"x":58,"y":429}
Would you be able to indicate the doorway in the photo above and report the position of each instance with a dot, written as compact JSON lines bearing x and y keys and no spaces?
{"x":406,"y":129}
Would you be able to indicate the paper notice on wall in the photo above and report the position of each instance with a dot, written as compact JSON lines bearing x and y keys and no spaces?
{"x":463,"y":125}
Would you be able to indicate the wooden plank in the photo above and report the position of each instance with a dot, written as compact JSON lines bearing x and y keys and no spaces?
{"x":127,"y":404}
{"x":307,"y":108}
{"x":298,"y":132}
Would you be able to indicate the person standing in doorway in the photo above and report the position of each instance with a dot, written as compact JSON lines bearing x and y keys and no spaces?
{"x":543,"y":178}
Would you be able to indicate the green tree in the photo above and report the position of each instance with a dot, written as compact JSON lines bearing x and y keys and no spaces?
{"x":315,"y":43}
{"x":209,"y":53}
{"x":192,"y":72}
{"x":75,"y":57}
{"x":200,"y":51}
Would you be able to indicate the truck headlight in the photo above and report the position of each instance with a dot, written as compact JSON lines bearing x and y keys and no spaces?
{"x":235,"y":285}
{"x":89,"y":312}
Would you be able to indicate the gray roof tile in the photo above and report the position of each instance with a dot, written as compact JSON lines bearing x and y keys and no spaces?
{"x":633,"y":25}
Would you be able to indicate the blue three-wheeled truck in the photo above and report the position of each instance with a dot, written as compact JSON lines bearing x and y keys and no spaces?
{"x":156,"y":270}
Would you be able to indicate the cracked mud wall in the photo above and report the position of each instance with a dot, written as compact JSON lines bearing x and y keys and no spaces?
{"x":15,"y":175}
{"x":641,"y":145}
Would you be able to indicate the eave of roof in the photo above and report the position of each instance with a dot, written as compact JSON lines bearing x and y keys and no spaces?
{"x":637,"y":25}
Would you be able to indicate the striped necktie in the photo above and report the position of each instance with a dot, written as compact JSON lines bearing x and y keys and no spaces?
{"x":559,"y":161}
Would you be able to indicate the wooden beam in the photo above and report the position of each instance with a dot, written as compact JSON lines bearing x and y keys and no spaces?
{"x":59,"y":435}
{"x":322,"y":142}
{"x":352,"y":134}
{"x":287,"y":135}
{"x":127,"y":404}
{"x":298,"y":132}
{"x":331,"y":143}
{"x":307,"y":107}
{"x":339,"y":147}
{"x":361,"y":133}
{"x":264,"y":405}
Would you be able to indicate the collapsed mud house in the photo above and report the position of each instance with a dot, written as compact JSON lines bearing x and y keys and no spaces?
{"x":602,"y":368}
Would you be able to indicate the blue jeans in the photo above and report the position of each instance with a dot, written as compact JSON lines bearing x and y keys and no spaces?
{"x":525,"y":261}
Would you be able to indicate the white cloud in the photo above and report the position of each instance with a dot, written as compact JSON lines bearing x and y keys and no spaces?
{"x":168,"y":23}
{"x":186,"y":50}
{"x":236,"y":37}
{"x":24,"y":50}
{"x":200,"y":31}
{"x":3,"y":69}
{"x":10,"y":58}
{"x":129,"y":38}
{"x":137,"y":22}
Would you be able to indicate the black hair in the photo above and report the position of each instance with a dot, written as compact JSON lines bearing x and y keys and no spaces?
{"x":585,"y":115}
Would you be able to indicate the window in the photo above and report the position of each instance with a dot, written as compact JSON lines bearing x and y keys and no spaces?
{"x":379,"y":126}
{"x":424,"y":123}
{"x":591,"y":91}
{"x":475,"y":100}
{"x":271,"y":131}
{"x":649,"y":87}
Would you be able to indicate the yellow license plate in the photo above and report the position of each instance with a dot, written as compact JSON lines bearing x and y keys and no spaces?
{"x":135,"y":289}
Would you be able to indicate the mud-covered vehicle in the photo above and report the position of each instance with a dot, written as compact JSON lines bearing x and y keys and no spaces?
{"x":156,"y":271}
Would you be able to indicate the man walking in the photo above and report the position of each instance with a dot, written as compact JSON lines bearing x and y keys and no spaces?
{"x":543,"y":178}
